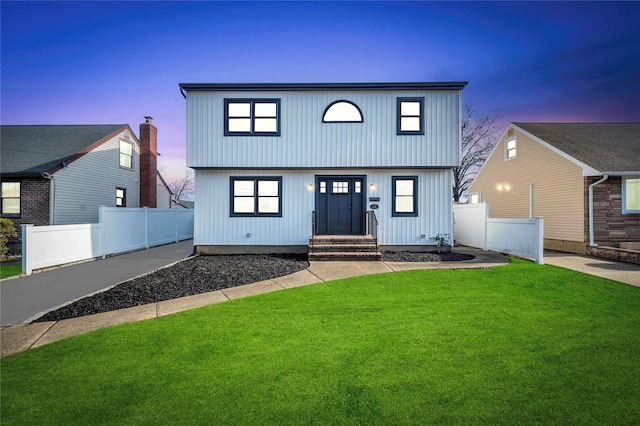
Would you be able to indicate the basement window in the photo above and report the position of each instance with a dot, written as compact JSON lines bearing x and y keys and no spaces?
{"x":630,"y":195}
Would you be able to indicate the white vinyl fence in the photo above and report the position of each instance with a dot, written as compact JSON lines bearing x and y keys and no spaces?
{"x":521,"y":237}
{"x":119,"y":230}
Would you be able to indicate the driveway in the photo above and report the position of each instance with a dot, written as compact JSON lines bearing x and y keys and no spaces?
{"x":26,"y":297}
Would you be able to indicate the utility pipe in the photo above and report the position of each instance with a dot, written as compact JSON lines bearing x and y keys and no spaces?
{"x":591,"y":242}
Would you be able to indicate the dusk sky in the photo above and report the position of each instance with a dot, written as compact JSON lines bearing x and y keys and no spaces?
{"x":115,"y":62}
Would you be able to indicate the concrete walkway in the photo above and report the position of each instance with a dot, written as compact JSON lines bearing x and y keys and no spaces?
{"x":21,"y":337}
{"x":628,"y":273}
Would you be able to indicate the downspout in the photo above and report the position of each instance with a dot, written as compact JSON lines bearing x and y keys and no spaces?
{"x":591,"y":242}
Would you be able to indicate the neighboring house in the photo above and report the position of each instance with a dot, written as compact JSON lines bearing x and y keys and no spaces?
{"x":164,"y":196}
{"x":61,"y":174}
{"x":563,"y":171}
{"x":277,"y":163}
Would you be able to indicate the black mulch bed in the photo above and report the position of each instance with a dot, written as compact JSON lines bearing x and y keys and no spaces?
{"x":202,"y":274}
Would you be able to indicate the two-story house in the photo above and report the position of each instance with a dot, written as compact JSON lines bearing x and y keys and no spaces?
{"x":276,"y":164}
{"x":61,"y":174}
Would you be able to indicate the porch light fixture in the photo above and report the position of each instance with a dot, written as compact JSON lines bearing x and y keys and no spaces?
{"x":372,"y":186}
{"x":504,"y":187}
{"x":310,"y":186}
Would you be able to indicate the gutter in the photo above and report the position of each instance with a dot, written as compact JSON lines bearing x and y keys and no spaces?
{"x":591,"y":241}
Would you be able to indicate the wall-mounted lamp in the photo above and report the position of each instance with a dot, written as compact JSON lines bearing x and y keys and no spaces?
{"x":503,"y":187}
{"x":309,"y":187}
{"x":372,"y":186}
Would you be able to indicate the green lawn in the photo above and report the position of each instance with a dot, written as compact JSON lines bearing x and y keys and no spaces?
{"x":521,"y":344}
{"x":10,"y":270}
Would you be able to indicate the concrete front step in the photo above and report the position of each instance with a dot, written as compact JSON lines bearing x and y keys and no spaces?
{"x":345,"y":255}
{"x":318,"y":248}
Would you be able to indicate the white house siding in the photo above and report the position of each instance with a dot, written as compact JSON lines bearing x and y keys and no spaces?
{"x":214,"y":226}
{"x":91,"y":181}
{"x":305,"y":141}
{"x":163,"y":195}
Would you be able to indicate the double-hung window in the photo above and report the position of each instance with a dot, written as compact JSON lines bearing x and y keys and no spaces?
{"x":630,"y":195}
{"x":510,"y":149}
{"x":405,"y":195}
{"x":121,"y":197}
{"x":126,"y":155}
{"x":10,"y":198}
{"x":256,"y":196}
{"x":252,"y":117}
{"x":410,"y":116}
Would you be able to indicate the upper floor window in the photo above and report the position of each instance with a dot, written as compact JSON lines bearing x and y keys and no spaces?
{"x":510,"y":149}
{"x":474,"y":198}
{"x":252,"y":117}
{"x":405,"y":195}
{"x":126,"y":155}
{"x":342,"y":112}
{"x":410,"y":116}
{"x":630,"y":195}
{"x":256,"y":196}
{"x":121,"y":197}
{"x":11,"y":198}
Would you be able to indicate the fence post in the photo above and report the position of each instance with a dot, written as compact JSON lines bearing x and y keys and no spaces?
{"x":539,"y":240}
{"x":146,"y":227}
{"x":26,"y":264}
{"x":484,"y":227}
{"x":102,"y":230}
{"x":175,"y":215}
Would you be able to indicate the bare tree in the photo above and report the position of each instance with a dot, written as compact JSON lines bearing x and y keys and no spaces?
{"x":478,"y":138}
{"x":182,"y":188}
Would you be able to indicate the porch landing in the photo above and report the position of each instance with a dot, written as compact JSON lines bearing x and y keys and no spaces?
{"x":343,"y":247}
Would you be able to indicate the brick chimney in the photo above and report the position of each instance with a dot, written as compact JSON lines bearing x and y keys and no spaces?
{"x":148,"y":163}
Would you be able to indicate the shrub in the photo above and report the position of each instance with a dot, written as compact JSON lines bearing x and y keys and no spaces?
{"x":7,"y":230}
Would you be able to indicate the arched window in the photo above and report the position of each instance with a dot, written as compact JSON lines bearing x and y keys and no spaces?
{"x":342,"y":112}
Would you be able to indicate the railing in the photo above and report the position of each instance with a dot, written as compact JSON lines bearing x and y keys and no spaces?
{"x":372,"y":225}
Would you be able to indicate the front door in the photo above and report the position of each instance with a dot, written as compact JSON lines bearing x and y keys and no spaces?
{"x":340,"y":205}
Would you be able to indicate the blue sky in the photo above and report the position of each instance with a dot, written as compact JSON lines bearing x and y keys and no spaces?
{"x":115,"y":62}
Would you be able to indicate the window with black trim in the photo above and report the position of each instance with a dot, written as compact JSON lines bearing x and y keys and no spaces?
{"x":121,"y":197}
{"x":342,"y":112}
{"x":126,"y":155}
{"x":252,"y":117}
{"x":405,"y":195}
{"x":256,"y":196}
{"x":410,"y":116}
{"x":10,"y":198}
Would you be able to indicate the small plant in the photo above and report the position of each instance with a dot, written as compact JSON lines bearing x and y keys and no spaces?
{"x":442,"y":239}
{"x":7,"y":230}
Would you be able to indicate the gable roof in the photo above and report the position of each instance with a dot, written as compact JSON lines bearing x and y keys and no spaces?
{"x":29,"y":150}
{"x":605,"y":147}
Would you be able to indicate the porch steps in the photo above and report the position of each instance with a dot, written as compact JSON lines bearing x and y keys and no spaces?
{"x":343,"y":247}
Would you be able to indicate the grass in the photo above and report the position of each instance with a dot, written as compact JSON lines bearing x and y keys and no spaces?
{"x":9,"y":270}
{"x":511,"y":345}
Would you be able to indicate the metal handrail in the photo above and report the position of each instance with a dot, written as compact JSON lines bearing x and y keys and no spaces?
{"x":372,"y":225}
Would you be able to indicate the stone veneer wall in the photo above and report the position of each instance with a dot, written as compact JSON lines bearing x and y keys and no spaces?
{"x":611,"y":227}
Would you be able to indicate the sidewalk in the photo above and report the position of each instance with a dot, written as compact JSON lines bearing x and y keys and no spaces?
{"x":628,"y":273}
{"x":24,"y":298}
{"x":21,"y":337}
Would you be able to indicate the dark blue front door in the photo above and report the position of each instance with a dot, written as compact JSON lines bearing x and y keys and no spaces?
{"x":340,"y":205}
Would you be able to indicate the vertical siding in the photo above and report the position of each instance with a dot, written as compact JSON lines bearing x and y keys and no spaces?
{"x":214,"y":226}
{"x":307,"y":142}
{"x":558,"y":188}
{"x":91,"y":181}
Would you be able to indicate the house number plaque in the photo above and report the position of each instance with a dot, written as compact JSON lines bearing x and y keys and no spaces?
{"x":373,"y":206}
